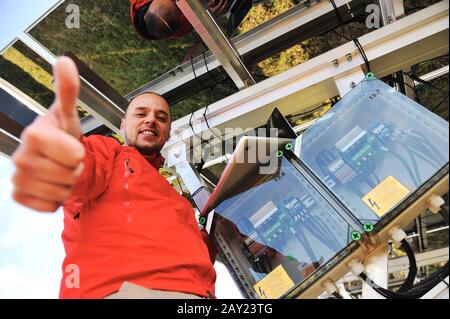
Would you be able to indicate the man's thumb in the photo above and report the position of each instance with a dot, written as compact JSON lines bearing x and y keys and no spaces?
{"x":67,"y":86}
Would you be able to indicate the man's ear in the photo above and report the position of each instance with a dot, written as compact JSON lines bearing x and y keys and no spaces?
{"x":122,"y":126}
{"x":170,"y":132}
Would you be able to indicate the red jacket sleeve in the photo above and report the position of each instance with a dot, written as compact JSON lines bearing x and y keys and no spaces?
{"x":98,"y":167}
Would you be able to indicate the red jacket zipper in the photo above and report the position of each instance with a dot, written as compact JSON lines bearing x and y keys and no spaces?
{"x":127,"y":201}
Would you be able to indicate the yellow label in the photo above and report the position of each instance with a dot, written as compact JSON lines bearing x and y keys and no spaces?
{"x":275,"y":284}
{"x":385,"y":195}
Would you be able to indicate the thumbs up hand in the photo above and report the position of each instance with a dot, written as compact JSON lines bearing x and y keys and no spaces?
{"x":50,"y":159}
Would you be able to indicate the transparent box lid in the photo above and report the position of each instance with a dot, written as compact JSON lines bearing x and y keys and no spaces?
{"x":276,"y":231}
{"x":374,"y":148}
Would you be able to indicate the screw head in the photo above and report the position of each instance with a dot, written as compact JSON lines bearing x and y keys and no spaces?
{"x":280,"y":154}
{"x":202,"y":221}
{"x":368,"y":227}
{"x":335,"y":63}
{"x":356,"y":236}
{"x":349,"y":57}
{"x":289,"y":146}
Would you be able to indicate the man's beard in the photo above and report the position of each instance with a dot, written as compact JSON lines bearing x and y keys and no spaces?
{"x":155,"y":149}
{"x":148,"y":150}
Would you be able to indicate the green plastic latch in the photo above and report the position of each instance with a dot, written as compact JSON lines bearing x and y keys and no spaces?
{"x":368,"y":227}
{"x":356,"y":236}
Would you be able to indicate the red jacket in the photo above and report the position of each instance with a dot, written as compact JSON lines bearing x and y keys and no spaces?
{"x":125,"y":222}
{"x":184,"y":27}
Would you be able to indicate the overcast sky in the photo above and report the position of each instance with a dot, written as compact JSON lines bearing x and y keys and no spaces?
{"x":17,"y":15}
{"x":31,"y":250}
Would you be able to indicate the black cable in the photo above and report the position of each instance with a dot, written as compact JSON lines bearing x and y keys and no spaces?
{"x":444,"y":214}
{"x":426,"y":83}
{"x":342,"y":36}
{"x":210,"y":101}
{"x":206,"y":109}
{"x":193,"y":131}
{"x":425,"y":144}
{"x":207,"y":124}
{"x":446,"y":283}
{"x":439,"y":104}
{"x":417,"y":291}
{"x":409,"y":281}
{"x":363,"y":54}
{"x":356,"y":41}
{"x":419,"y":153}
{"x":311,"y":111}
{"x":195,"y":75}
{"x":199,"y":167}
{"x":427,"y":284}
{"x":411,"y":174}
{"x":415,"y":92}
{"x":435,"y":58}
{"x":337,"y":295}
{"x":415,"y":167}
{"x":360,"y":49}
{"x":338,"y":16}
{"x":207,"y":69}
{"x":382,"y":291}
{"x":390,"y":78}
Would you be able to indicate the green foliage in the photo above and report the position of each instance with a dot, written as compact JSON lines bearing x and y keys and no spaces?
{"x":13,"y":74}
{"x":107,"y":42}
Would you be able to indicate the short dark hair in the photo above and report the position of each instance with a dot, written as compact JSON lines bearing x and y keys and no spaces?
{"x":161,"y":22}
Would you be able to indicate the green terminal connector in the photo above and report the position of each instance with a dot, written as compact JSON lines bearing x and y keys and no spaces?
{"x":356,"y":236}
{"x":289,"y":146}
{"x":368,"y":227}
{"x":370,"y":75}
{"x":279,"y":154}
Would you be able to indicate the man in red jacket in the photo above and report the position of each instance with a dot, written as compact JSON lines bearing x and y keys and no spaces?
{"x":162,"y":19}
{"x":127,"y":232}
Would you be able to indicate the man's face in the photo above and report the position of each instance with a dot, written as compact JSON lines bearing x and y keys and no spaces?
{"x":146,"y":125}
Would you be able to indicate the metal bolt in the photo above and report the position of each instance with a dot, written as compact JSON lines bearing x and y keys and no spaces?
{"x":335,"y":63}
{"x":349,"y":57}
{"x":368,"y":227}
{"x":356,"y":236}
{"x":352,"y":84}
{"x":391,"y":18}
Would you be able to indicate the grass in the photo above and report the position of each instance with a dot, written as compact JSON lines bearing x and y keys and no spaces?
{"x":107,"y":42}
